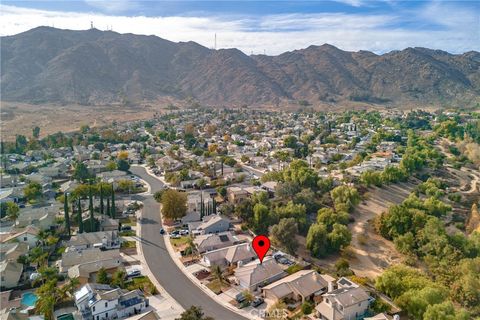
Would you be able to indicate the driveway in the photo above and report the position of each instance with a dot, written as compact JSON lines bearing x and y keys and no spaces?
{"x":181,"y":288}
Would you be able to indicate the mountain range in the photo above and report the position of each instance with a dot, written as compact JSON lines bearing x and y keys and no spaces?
{"x":49,"y":65}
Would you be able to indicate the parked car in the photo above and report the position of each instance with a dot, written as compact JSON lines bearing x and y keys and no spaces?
{"x":183,"y":232}
{"x":240,"y":297}
{"x":133,"y":273}
{"x":162,"y":231}
{"x":257,"y":301}
{"x":126,"y":228}
{"x":175,"y":236}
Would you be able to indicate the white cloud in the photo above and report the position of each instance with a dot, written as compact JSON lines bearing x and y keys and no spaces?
{"x":113,"y":6}
{"x":273,"y":33}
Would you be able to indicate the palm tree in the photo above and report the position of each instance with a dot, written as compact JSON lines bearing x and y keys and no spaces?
{"x":217,"y":273}
{"x":191,"y":246}
{"x":118,"y":278}
{"x":42,"y":237}
{"x":45,"y":304}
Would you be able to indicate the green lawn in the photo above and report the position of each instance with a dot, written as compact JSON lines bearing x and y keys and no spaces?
{"x":143,"y":283}
{"x":293,"y":268}
{"x":179,"y":242}
{"x":127,"y":233}
{"x":216,"y":286}
{"x":129,"y":244}
{"x":130,"y":221}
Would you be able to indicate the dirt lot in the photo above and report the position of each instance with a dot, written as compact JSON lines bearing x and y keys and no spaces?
{"x":22,"y":118}
{"x":371,"y":253}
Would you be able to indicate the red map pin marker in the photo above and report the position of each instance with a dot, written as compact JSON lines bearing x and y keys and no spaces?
{"x":261,"y":244}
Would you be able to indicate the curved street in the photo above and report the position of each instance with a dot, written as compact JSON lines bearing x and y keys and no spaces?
{"x":181,"y":288}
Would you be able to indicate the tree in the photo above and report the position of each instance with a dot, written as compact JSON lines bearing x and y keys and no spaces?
{"x":345,"y":195}
{"x":12,"y":211}
{"x":284,"y":234}
{"x":292,"y":210}
{"x":90,"y":208}
{"x":33,"y":191}
{"x":193,"y":313}
{"x":339,"y":238}
{"x":79,"y":216}
{"x":329,"y":217}
{"x":123,"y":165}
{"x":416,"y":302}
{"x":307,"y":307}
{"x":290,"y":142}
{"x":36,"y":132}
{"x":66,"y":215}
{"x":102,"y":276}
{"x":80,"y":172}
{"x":217,"y":273}
{"x":45,"y":303}
{"x":445,"y":311}
{"x":261,"y":218}
{"x":101,"y":199}
{"x":316,"y":240}
{"x":111,"y":165}
{"x":201,"y":183}
{"x":174,"y":204}
{"x":118,"y":278}
{"x":113,"y":208}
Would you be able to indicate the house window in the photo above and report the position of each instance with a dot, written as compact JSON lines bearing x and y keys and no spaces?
{"x":98,"y":317}
{"x":106,"y":304}
{"x":106,"y":314}
{"x":93,"y":308}
{"x":24,"y":238}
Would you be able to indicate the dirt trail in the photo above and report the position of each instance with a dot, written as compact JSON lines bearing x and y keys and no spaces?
{"x":371,"y":253}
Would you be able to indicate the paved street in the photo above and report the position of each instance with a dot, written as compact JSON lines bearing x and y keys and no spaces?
{"x":161,"y":264}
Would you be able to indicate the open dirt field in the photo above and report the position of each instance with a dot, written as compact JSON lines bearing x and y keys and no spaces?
{"x":370,"y":253}
{"x":22,"y":118}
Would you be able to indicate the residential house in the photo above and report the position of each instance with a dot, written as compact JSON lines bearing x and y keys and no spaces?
{"x":300,"y":286}
{"x":101,"y":239}
{"x":213,"y":223}
{"x":87,"y":272}
{"x":348,"y":302}
{"x":72,"y":257}
{"x":29,"y":235}
{"x":102,"y":302}
{"x":41,"y":217}
{"x":11,"y":251}
{"x":382,"y":316}
{"x":239,"y":254}
{"x":254,"y":275}
{"x":209,"y":242}
{"x":236,"y":195}
{"x":10,"y":274}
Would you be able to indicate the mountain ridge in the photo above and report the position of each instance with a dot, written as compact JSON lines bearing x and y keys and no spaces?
{"x":48,"y":65}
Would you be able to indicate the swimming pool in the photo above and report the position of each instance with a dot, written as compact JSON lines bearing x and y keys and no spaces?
{"x":29,"y":299}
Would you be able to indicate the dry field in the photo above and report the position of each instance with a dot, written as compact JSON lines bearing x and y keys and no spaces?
{"x":19,"y":118}
{"x":370,"y":253}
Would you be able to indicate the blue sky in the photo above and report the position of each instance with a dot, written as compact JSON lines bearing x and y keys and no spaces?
{"x":267,"y":26}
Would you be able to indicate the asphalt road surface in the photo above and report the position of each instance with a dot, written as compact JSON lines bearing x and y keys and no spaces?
{"x":161,"y":264}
